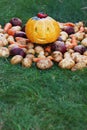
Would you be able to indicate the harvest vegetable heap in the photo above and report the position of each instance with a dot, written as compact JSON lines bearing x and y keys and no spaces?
{"x":44,"y":41}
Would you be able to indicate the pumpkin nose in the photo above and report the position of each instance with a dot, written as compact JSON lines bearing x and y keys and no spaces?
{"x":42,"y":35}
{"x":41,"y":31}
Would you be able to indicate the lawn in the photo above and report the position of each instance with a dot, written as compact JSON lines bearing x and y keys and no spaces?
{"x":33,"y":99}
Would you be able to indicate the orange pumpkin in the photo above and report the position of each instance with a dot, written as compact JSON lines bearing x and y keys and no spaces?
{"x":42,"y":29}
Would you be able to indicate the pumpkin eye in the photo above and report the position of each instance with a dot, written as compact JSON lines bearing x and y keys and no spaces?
{"x":35,"y":29}
{"x":48,"y":29}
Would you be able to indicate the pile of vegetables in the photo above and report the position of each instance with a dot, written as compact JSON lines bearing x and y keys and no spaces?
{"x":69,"y":50}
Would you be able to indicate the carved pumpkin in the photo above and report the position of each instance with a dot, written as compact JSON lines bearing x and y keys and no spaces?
{"x":42,"y":29}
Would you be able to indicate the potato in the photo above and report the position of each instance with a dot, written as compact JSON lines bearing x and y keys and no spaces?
{"x":4,"y":52}
{"x":10,"y":47}
{"x":3,"y":39}
{"x":44,"y":64}
{"x":57,"y":56}
{"x":39,"y":49}
{"x":84,"y":42}
{"x":79,"y":66}
{"x":30,"y":56}
{"x":30,"y":51}
{"x":67,"y":63}
{"x":30,"y":45}
{"x":27,"y":62}
{"x":79,"y":35}
{"x":16,"y":59}
{"x":63,"y":35}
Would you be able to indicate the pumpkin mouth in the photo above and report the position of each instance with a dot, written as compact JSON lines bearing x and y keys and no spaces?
{"x":41,"y":39}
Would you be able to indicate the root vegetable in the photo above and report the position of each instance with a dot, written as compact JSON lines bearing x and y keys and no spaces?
{"x":20,"y":34}
{"x":48,"y":49}
{"x":57,"y":56}
{"x":17,"y":51}
{"x":16,"y":59}
{"x":63,"y":35}
{"x":1,"y":30}
{"x":3,"y":39}
{"x":41,"y":56}
{"x":10,"y":39}
{"x":13,"y":30}
{"x":80,"y":48}
{"x":69,"y":30}
{"x":21,"y":40}
{"x":76,"y":29}
{"x":39,"y":49}
{"x":79,"y":66}
{"x":79,"y":35}
{"x":69,"y":24}
{"x":27,"y":62}
{"x":82,"y":29}
{"x":67,"y":62}
{"x":44,"y":64}
{"x":58,"y":46}
{"x":16,"y":21}
{"x":30,"y":45}
{"x":4,"y":52}
{"x":7,"y":27}
{"x":46,"y":53}
{"x":30,"y":51}
{"x":30,"y":56}
{"x":73,"y":40}
{"x":1,"y":44}
{"x":79,"y":24}
{"x":85,"y":29}
{"x":75,"y":56}
{"x":84,"y":42}
{"x":71,"y":51}
{"x":10,"y":47}
{"x":85,"y":53}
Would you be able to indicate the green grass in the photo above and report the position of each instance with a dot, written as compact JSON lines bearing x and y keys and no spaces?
{"x":33,"y":99}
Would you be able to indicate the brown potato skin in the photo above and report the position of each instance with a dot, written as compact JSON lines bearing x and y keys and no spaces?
{"x":16,"y":59}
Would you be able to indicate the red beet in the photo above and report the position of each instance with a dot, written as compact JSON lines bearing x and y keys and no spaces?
{"x":69,"y":30}
{"x":58,"y":46}
{"x":16,"y":22}
{"x":80,"y":48}
{"x":17,"y":51}
{"x":20,"y":34}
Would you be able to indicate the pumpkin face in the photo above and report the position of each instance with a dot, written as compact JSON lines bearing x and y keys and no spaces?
{"x":42,"y":30}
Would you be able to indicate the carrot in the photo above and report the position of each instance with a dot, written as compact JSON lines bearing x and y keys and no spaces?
{"x":50,"y":57}
{"x":7,"y":27}
{"x":81,"y":29}
{"x":69,"y":24}
{"x":70,"y":46}
{"x":22,"y":46}
{"x":74,"y":41}
{"x":12,"y":42}
{"x":11,"y":32}
{"x":36,"y":59}
{"x":21,"y":39}
{"x":48,"y":49}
